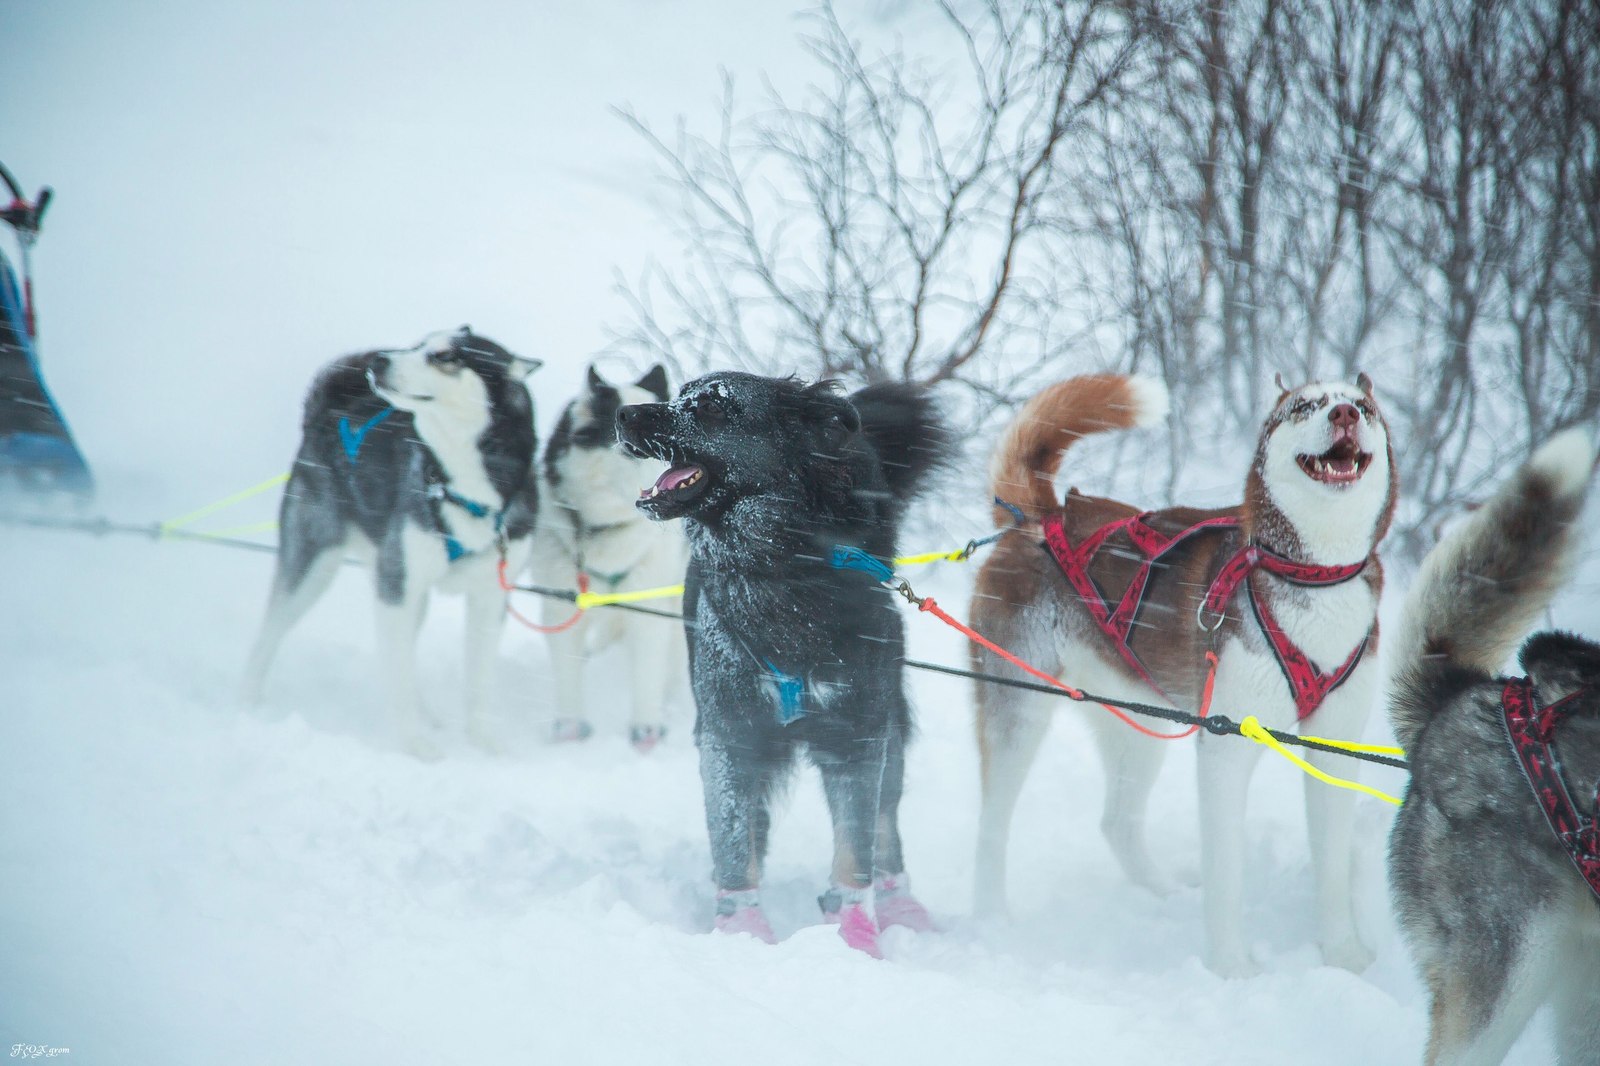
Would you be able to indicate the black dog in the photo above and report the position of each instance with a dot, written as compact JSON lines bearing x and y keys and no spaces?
{"x":769,"y":476}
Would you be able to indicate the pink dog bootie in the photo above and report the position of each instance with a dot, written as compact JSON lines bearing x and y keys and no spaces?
{"x":849,"y":909}
{"x":739,"y":911}
{"x":895,"y":905}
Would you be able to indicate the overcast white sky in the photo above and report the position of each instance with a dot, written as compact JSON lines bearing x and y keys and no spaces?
{"x":245,"y":190}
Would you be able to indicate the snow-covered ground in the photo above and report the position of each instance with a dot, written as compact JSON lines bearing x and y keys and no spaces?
{"x":188,"y":882}
{"x":245,"y":191}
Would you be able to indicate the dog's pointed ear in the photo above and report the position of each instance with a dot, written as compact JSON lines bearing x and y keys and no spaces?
{"x":523,"y":365}
{"x":596,"y":382}
{"x":654,"y":382}
{"x":1364,"y":383}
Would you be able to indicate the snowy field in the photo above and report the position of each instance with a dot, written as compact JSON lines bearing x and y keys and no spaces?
{"x":245,"y":191}
{"x":189,"y":882}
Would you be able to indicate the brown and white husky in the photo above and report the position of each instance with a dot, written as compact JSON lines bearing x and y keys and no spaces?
{"x":1283,"y":588}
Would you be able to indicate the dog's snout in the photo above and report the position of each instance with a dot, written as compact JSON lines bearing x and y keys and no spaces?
{"x":380,"y":364}
{"x":1344,"y":416}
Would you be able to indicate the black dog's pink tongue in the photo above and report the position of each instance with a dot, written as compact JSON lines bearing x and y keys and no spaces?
{"x":675,"y":477}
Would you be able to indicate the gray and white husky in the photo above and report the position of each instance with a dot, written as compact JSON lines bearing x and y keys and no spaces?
{"x":590,"y":527}
{"x":421,"y":460}
{"x":1497,"y":913}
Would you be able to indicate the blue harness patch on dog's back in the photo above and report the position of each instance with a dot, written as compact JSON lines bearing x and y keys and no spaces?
{"x":353,"y":439}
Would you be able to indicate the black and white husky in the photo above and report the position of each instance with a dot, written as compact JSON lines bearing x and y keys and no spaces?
{"x":1495,"y":908}
{"x":589,"y":527}
{"x":786,"y":651}
{"x":420,"y":459}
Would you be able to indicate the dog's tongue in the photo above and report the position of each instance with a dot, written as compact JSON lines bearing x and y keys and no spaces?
{"x":675,"y":477}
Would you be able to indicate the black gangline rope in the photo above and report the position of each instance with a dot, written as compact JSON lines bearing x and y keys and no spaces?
{"x":1217,"y":724}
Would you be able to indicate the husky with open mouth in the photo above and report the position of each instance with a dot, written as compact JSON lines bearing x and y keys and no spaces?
{"x":1126,"y":604}
{"x":590,"y":531}
{"x":1495,"y":856}
{"x":787,"y":651}
{"x":420,"y":459}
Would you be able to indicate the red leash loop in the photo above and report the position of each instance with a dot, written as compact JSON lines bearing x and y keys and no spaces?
{"x":559,"y":627}
{"x":928,"y":604}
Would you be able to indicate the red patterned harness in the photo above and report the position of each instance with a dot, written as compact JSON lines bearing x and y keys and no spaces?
{"x":1531,"y":730}
{"x":1309,"y":685}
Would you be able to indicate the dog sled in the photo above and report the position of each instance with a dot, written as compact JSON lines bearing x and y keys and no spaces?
{"x":37,"y":453}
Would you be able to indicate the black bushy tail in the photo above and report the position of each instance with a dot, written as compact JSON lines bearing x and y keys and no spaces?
{"x":908,"y":433}
{"x":1482,"y":587}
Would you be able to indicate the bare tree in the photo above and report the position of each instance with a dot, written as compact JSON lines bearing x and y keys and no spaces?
{"x":1208,"y":190}
{"x":893,"y":224}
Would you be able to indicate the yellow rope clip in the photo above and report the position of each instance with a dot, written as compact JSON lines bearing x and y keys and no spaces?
{"x":1253,"y":729}
{"x":587,"y":600}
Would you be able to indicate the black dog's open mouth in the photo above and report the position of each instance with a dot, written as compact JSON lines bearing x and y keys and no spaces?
{"x":1342,"y":464}
{"x":679,"y":484}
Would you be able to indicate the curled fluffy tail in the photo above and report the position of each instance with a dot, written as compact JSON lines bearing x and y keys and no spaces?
{"x":911,"y":439}
{"x":1025,"y":461}
{"x":1482,"y":587}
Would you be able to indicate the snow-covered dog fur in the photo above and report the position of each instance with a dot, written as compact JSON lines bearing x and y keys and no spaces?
{"x":422,"y":460}
{"x":1321,"y":490}
{"x":589,"y":525}
{"x":1498,"y":918}
{"x":785,"y":650}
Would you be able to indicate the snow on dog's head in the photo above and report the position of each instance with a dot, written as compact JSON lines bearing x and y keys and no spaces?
{"x":730,"y":435}
{"x":1324,"y":463}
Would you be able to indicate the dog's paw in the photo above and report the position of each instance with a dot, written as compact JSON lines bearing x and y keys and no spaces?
{"x":644,"y":738}
{"x":857,"y":928}
{"x":739,"y":911}
{"x":570,"y":730}
{"x":1233,"y":964}
{"x":1348,"y":953}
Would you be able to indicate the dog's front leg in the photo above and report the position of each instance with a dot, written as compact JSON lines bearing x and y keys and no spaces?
{"x":652,"y":643}
{"x":567,"y":659}
{"x":486,"y":611}
{"x":737,"y":782}
{"x":402,"y":602}
{"x":852,"y":780}
{"x":1225,"y":766}
{"x":1330,"y":825}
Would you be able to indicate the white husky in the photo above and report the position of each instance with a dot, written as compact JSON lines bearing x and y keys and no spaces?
{"x":589,"y":527}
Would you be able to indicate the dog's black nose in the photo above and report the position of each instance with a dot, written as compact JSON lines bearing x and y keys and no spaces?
{"x":1345,"y":416}
{"x":627,"y":416}
{"x":380,"y":363}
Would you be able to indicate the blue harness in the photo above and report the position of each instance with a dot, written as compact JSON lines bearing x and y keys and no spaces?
{"x":353,"y":437}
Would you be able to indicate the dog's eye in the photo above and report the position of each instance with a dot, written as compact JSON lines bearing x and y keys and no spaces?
{"x":448,"y":360}
{"x":1301,"y":408}
{"x":1365,"y":408}
{"x":706,"y":411}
